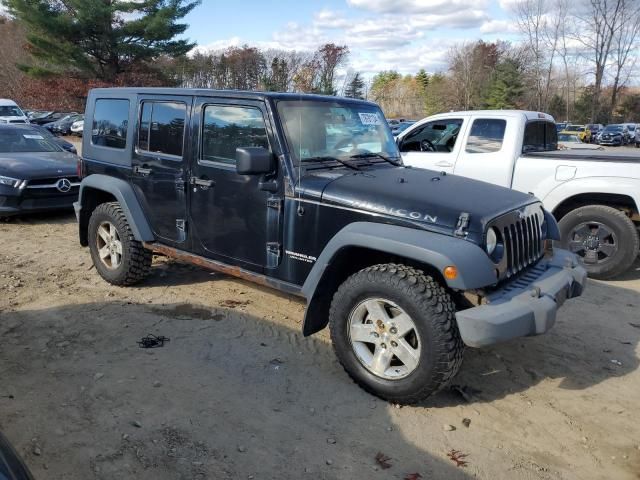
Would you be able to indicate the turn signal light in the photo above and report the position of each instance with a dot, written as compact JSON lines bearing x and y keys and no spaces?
{"x":450,"y":272}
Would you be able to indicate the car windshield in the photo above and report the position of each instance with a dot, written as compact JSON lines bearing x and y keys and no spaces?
{"x":24,"y":140}
{"x":341,"y":130}
{"x":10,"y":111}
{"x":565,"y":137}
{"x":613,"y":128}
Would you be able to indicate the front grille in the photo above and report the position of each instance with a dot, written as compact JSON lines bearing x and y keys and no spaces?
{"x":50,"y":182}
{"x":522,"y":237}
{"x":17,"y":121}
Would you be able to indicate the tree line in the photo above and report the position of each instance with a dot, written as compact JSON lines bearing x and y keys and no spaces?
{"x":574,"y":60}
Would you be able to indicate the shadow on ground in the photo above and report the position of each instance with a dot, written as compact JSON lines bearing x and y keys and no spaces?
{"x":229,"y":396}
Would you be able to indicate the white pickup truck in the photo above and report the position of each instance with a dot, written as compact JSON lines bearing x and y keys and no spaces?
{"x":594,"y":195}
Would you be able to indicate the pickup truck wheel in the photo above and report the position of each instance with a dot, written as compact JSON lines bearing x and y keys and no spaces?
{"x":603,"y":237}
{"x":118,"y":257}
{"x":394,"y":331}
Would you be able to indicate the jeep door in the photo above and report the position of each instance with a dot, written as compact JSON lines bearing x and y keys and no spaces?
{"x":159,"y":172}
{"x":230,"y":216}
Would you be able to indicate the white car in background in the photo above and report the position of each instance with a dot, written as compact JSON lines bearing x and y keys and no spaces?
{"x":10,"y":112}
{"x":77,"y":127}
{"x":570,"y":141}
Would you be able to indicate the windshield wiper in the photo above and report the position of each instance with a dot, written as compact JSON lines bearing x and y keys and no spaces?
{"x":376,"y":155}
{"x":335,"y":159}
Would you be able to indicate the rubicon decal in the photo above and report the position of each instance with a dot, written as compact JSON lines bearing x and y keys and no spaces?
{"x":396,"y":212}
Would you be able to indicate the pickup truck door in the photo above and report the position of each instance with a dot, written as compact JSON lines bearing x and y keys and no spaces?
{"x":488,"y":151}
{"x":231,"y":217}
{"x":434,"y":145}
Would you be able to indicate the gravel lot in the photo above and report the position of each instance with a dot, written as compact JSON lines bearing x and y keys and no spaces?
{"x":238,"y":392}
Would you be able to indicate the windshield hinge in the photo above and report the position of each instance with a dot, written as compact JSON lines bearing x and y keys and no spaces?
{"x":463,"y":223}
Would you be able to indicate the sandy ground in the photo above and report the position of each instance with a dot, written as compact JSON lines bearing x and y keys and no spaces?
{"x":239,"y":393}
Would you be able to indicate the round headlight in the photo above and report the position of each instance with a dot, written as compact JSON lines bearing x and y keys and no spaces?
{"x":492,"y":240}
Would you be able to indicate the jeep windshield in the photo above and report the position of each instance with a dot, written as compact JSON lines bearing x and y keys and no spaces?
{"x":323,"y":131}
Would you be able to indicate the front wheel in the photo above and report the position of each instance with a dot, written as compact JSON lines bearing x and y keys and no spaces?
{"x":603,"y":237}
{"x":394,"y":331}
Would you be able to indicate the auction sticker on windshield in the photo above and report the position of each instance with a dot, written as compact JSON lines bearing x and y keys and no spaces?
{"x":370,"y":119}
{"x":33,"y":137}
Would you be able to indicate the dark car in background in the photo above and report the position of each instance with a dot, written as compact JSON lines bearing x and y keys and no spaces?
{"x":11,"y":465}
{"x":614,"y":134}
{"x":595,"y":129}
{"x":67,"y":146}
{"x":63,"y":126}
{"x":398,"y":128}
{"x":42,"y":118}
{"x":35,"y":173}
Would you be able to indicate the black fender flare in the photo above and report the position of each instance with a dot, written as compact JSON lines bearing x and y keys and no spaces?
{"x":475,"y":269}
{"x":125,"y":196}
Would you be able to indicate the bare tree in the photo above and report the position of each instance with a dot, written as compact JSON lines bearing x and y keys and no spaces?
{"x":624,"y":43}
{"x":600,"y":22}
{"x":13,"y":53}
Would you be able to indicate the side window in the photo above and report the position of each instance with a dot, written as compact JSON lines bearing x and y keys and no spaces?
{"x":486,"y":135}
{"x":110,"y":123}
{"x":162,"y":127}
{"x":436,"y":136}
{"x":225,"y":128}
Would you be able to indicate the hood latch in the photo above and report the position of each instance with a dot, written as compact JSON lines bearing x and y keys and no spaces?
{"x":463,"y":223}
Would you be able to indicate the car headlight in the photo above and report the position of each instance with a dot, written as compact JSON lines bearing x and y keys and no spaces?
{"x":492,"y":241}
{"x":10,"y":182}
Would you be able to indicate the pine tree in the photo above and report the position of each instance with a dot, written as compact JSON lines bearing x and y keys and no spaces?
{"x":506,"y":86}
{"x":422,"y":77}
{"x":355,"y":87}
{"x":100,"y":38}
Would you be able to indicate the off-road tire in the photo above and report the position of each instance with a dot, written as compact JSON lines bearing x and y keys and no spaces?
{"x":433,"y":313}
{"x":136,"y":260}
{"x":615,"y":220}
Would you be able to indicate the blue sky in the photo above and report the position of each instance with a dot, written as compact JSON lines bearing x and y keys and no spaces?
{"x":404,"y":35}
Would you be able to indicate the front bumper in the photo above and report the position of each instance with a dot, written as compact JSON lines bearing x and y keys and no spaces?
{"x":525,"y":306}
{"x":16,"y":205}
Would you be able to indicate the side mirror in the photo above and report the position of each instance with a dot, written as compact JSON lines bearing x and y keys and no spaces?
{"x":254,"y":161}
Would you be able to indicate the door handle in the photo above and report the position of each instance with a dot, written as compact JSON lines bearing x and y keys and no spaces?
{"x":444,"y":164}
{"x":203,"y":183}
{"x":142,"y":171}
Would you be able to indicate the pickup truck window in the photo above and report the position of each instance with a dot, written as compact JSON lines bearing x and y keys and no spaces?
{"x":436,"y":136}
{"x":162,"y":127}
{"x":110,"y":123}
{"x":335,"y":129}
{"x":226,"y":128}
{"x":540,"y":136}
{"x":486,"y":135}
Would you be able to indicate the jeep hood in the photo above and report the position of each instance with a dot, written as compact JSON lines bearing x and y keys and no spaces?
{"x":423,"y":196}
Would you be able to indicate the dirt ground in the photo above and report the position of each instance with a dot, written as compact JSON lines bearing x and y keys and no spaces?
{"x":238,"y":393}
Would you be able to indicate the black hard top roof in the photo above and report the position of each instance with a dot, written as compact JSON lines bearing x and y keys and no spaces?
{"x":203,"y":92}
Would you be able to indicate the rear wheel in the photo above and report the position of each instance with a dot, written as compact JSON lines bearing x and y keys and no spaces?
{"x":394,"y":331}
{"x":118,"y":257}
{"x":603,"y":237}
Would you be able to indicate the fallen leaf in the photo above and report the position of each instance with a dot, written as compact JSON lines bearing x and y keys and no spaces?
{"x":383,"y":460}
{"x":413,"y":476}
{"x":458,"y":457}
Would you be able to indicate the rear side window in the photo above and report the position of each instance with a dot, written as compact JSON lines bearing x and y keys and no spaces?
{"x":110,"y":123}
{"x":487,"y":135}
{"x":226,"y":128}
{"x":540,"y":136}
{"x":162,"y":127}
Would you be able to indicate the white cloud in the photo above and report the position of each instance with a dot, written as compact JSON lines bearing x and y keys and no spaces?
{"x":330,"y":19}
{"x":433,"y":7}
{"x":499,"y":26}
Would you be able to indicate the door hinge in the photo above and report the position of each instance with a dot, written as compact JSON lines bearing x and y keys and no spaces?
{"x":275,"y":203}
{"x":181,"y":224}
{"x":274,"y":248}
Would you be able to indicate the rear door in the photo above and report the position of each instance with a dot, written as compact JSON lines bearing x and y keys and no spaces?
{"x":434,"y":145}
{"x":159,"y":171}
{"x":233,"y":219}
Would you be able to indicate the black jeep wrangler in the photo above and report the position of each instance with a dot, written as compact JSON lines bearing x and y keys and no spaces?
{"x":308,"y":194}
